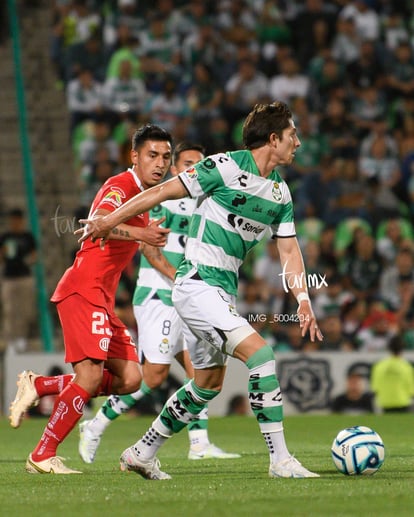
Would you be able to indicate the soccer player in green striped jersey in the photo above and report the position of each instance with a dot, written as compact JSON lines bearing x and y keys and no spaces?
{"x":246,"y":201}
{"x":162,"y":333}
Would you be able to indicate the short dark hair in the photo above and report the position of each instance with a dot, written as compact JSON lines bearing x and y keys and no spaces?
{"x":149,"y":132}
{"x":262,"y":121}
{"x":186,"y":146}
{"x":396,"y":345}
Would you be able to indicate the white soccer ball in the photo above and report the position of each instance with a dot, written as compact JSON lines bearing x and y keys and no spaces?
{"x":358,"y":450}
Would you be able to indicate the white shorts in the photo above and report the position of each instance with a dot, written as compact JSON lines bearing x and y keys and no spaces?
{"x":161,"y":332}
{"x":210,"y":313}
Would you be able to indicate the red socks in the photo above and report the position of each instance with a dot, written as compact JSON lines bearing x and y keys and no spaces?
{"x":52,"y":385}
{"x":67,"y":411}
{"x":55,"y":385}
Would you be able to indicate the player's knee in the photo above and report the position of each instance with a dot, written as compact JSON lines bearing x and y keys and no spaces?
{"x":155,"y":375}
{"x":130,"y":383}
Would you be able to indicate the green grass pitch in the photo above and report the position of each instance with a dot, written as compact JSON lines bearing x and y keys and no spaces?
{"x":221,"y":488}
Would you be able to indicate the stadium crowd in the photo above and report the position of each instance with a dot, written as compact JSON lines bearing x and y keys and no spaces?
{"x":197,"y":67}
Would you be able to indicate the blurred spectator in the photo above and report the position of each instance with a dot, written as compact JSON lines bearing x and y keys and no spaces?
{"x":313,"y":26}
{"x":337,"y":126}
{"x":204,"y":46}
{"x":376,"y":332}
{"x":17,"y":256}
{"x":316,"y":191}
{"x":272,"y":29}
{"x":329,"y":82}
{"x":392,"y":380}
{"x":353,"y":313}
{"x":394,"y":29}
{"x":74,"y":22}
{"x":400,"y":76}
{"x":243,"y":90}
{"x":84,"y":98}
{"x":99,"y":137}
{"x":159,"y":52}
{"x":367,"y":69}
{"x":289,"y":82}
{"x":236,"y":21}
{"x":346,"y":43}
{"x":314,"y":149}
{"x":123,"y":95}
{"x":197,"y":14}
{"x":127,"y":13}
{"x":170,"y":110}
{"x":334,"y":339}
{"x":124,"y":49}
{"x":362,"y":267}
{"x":93,"y":178}
{"x":356,"y":399}
{"x":89,"y":54}
{"x":379,"y":156}
{"x":331,"y":299}
{"x":205,"y":99}
{"x":352,"y":194}
{"x":368,"y":106}
{"x":397,"y":283}
{"x":392,"y":235}
{"x":366,"y":19}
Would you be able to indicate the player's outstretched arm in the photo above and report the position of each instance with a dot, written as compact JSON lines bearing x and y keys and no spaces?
{"x":99,"y":227}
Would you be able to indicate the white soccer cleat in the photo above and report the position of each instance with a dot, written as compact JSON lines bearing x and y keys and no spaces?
{"x":211,"y":452}
{"x":53,"y":465}
{"x":149,"y":469}
{"x":88,"y":442}
{"x":290,"y":468}
{"x":26,"y":397}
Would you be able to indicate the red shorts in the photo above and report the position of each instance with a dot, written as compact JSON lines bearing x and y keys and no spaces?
{"x":90,"y":332}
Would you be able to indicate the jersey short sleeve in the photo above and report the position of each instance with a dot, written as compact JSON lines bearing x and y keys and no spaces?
{"x":203,"y":177}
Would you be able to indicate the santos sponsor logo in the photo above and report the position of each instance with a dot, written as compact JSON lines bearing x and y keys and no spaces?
{"x":245,"y":226}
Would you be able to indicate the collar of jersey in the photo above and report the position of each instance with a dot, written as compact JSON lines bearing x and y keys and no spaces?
{"x":137,"y":180}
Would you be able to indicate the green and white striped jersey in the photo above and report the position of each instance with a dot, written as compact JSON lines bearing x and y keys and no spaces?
{"x":178,"y":213}
{"x":241,"y":208}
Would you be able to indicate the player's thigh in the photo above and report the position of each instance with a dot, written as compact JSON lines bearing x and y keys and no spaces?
{"x":210,"y":313}
{"x":159,"y":331}
{"x":86,"y":329}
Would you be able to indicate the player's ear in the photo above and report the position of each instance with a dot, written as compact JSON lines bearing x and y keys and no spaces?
{"x":273,"y":139}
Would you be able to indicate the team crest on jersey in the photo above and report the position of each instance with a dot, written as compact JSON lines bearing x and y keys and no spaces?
{"x":164,"y":346}
{"x":233,"y":310}
{"x":104,"y":344}
{"x":276,"y":192}
{"x":114,"y":196}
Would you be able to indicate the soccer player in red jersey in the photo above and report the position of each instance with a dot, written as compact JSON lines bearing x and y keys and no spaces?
{"x":97,"y":343}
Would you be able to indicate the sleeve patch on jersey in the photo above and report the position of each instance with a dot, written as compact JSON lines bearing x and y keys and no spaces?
{"x":191,"y":173}
{"x":114,"y":197}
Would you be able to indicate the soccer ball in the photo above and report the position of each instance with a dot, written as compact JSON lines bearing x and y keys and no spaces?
{"x":358,"y":450}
